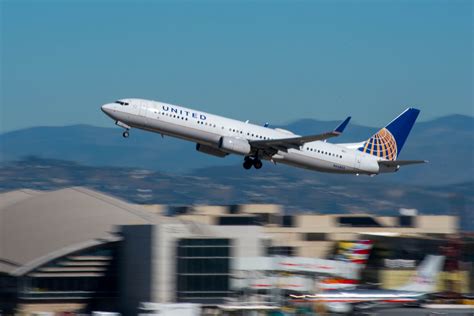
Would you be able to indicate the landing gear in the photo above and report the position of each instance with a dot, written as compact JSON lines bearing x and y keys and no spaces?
{"x":125,"y":134}
{"x":249,"y":162}
{"x":257,"y":163}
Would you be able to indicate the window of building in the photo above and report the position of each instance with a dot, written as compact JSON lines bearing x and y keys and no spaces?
{"x":406,"y":221}
{"x":315,"y":237}
{"x":287,"y":221}
{"x":358,"y":221}
{"x":237,"y":220}
{"x":234,"y":209}
{"x":280,"y":251}
{"x":203,"y":270}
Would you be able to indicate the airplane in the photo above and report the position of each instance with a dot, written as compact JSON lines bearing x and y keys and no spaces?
{"x":352,"y":252}
{"x":220,"y":136}
{"x":346,"y":301}
{"x":298,"y":273}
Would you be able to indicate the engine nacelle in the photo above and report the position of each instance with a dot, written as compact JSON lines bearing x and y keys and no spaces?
{"x":234,"y":145}
{"x":213,"y":151}
{"x":339,"y":307}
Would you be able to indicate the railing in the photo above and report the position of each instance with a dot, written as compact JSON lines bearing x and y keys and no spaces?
{"x":33,"y":295}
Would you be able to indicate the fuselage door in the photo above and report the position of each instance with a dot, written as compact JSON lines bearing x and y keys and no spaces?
{"x":358,"y":159}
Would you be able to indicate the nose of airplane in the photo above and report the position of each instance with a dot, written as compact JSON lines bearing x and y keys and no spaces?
{"x":106,"y":108}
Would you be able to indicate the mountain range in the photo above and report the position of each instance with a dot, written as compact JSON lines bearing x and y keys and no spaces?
{"x":295,"y":190}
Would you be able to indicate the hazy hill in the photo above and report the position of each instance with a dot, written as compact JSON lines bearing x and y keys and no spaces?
{"x":229,"y":185}
{"x":446,"y":142}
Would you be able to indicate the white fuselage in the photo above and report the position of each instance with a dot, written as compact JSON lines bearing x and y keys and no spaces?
{"x":208,"y":129}
{"x":345,"y":301}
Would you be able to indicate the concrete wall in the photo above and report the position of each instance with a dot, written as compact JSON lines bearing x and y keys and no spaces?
{"x":164,"y":259}
{"x":135,"y":267}
{"x":261,"y":209}
{"x":247,"y":241}
{"x":437,"y":224}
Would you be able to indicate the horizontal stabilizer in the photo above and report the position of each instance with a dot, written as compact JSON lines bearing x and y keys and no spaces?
{"x":396,"y":163}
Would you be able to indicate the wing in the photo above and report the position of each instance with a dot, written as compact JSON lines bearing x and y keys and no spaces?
{"x":395,"y":163}
{"x":296,"y":142}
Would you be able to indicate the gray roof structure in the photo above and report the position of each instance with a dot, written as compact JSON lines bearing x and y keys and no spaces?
{"x":39,"y":226}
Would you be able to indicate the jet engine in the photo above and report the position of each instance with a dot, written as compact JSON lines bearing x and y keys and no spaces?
{"x":338,"y":307}
{"x":213,"y":151}
{"x":234,"y":145}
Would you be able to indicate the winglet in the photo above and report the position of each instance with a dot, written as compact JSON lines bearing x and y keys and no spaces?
{"x":342,"y":126}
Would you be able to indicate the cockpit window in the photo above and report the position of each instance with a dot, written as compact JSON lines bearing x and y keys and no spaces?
{"x":121,"y":102}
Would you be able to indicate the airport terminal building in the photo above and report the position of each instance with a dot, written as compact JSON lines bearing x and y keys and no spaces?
{"x":80,"y":250}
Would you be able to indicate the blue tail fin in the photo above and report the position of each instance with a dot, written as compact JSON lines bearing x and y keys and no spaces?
{"x":388,"y":142}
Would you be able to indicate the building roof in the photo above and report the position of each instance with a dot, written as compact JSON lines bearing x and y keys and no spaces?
{"x":38,"y":226}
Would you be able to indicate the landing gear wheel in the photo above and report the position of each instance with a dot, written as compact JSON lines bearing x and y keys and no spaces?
{"x":247,"y":164}
{"x":257,"y":164}
{"x":125,"y":134}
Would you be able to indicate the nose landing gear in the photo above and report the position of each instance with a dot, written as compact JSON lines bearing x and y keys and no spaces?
{"x":125,"y":134}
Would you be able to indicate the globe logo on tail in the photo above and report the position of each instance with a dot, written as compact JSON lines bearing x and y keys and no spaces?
{"x":382,"y":145}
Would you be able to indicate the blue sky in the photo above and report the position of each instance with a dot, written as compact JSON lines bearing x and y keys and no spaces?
{"x":258,"y":60}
